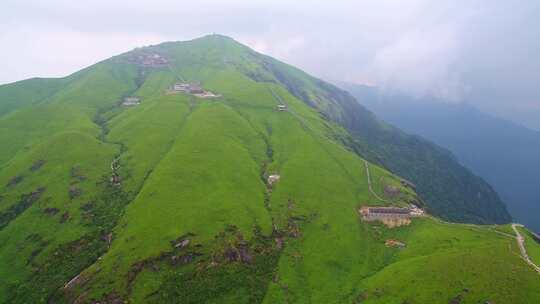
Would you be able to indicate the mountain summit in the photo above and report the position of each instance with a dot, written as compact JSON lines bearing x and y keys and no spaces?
{"x":205,"y":172}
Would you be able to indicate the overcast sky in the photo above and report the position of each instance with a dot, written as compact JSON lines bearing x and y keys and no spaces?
{"x":486,"y":52}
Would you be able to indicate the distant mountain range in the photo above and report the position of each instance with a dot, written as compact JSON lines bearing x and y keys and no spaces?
{"x":505,"y":154}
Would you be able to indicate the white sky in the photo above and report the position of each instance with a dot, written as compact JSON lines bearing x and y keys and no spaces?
{"x":484,"y":52}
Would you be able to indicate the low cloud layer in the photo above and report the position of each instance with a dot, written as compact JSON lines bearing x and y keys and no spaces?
{"x":483,"y":52}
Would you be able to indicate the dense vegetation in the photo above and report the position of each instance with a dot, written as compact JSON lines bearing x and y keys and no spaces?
{"x":168,"y":201}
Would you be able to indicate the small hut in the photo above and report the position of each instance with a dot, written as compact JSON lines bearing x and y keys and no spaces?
{"x":131,"y":101}
{"x":181,"y":87}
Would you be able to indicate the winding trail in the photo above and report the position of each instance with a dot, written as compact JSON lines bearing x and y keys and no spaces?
{"x":369,"y":182}
{"x":521,"y":241}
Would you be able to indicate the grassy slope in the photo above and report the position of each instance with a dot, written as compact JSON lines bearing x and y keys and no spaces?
{"x":232,"y":135}
{"x":62,"y":153}
{"x":61,"y":133}
{"x":191,"y":165}
{"x":532,"y":246}
{"x":450,"y":190}
{"x":28,"y":92}
{"x":466,"y":260}
{"x":23,"y":129}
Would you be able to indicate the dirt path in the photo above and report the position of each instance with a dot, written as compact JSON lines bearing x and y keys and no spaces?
{"x":521,"y":241}
{"x":369,"y":182}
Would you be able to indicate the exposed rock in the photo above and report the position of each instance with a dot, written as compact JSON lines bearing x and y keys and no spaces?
{"x":115,"y":179}
{"x":391,"y":191}
{"x":272,"y":179}
{"x":77,"y":174}
{"x":65,"y":217}
{"x":187,"y":258}
{"x":135,"y":269}
{"x":15,"y":180}
{"x":182,"y":241}
{"x":245,"y":257}
{"x":361,"y":298}
{"x":35,"y":195}
{"x":456,"y":300}
{"x":75,"y":281}
{"x":184,"y":259}
{"x":293,"y":229}
{"x":230,"y":255}
{"x":108,"y":238}
{"x":87,"y":206}
{"x":394,"y":243}
{"x":37,"y":165}
{"x":51,"y":211}
{"x":279,"y":243}
{"x":26,"y":200}
{"x":182,"y":244}
{"x":74,"y":192}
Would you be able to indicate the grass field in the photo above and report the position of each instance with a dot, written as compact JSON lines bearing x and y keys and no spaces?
{"x":531,"y":245}
{"x":193,"y":219}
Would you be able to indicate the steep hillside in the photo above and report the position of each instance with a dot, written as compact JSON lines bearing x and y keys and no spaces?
{"x":478,"y":140}
{"x":168,"y":200}
{"x":450,"y":190}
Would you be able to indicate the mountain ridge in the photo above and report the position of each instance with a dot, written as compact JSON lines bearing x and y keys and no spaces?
{"x":191,"y":215}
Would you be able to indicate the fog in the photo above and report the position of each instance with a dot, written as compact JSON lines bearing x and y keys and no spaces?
{"x":486,"y":53}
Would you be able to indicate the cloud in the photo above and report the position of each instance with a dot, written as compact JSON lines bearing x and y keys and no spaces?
{"x":420,"y":62}
{"x":61,"y":52}
{"x":484,"y":52}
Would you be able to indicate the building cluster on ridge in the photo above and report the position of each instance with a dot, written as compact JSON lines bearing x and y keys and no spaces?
{"x":153,"y":60}
{"x":131,"y":101}
{"x":388,"y":213}
{"x":193,"y":89}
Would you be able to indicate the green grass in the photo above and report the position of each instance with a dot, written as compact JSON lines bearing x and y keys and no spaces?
{"x":470,"y":260}
{"x":27,"y":93}
{"x":505,"y":229}
{"x":531,"y":245}
{"x":192,"y":165}
{"x":62,"y":154}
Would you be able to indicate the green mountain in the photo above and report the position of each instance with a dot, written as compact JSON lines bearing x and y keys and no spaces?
{"x":168,"y":200}
{"x":451,"y":191}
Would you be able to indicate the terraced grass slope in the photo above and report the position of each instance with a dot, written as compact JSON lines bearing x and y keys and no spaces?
{"x":190,"y":217}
